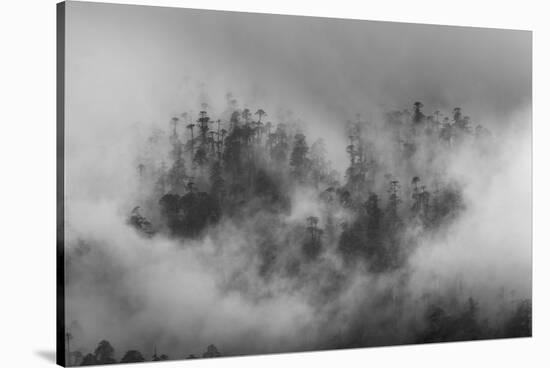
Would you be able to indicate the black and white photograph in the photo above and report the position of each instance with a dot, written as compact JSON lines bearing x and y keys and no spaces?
{"x":240,"y":183}
{"x":275,"y":183}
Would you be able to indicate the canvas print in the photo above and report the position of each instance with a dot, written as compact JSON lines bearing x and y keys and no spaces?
{"x":237,"y":183}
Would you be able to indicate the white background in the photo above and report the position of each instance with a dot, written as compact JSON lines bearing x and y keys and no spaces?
{"x":27,"y":181}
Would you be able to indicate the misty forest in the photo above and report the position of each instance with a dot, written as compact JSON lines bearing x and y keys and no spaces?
{"x":244,"y":211}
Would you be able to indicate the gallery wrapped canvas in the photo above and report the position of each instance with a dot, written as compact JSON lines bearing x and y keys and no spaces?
{"x":236,"y":183}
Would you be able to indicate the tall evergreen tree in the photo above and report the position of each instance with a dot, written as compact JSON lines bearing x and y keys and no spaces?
{"x":299,"y":161}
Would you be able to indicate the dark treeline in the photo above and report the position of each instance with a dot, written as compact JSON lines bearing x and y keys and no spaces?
{"x":248,"y":170}
{"x":105,"y":354}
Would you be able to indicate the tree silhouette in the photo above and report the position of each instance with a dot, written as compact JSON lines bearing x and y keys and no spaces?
{"x":132,"y":356}
{"x":260,"y":114}
{"x":157,"y":358}
{"x":211,"y":352}
{"x":298,"y":159}
{"x":104,"y":353}
{"x":418,"y":116}
{"x":203,"y":122}
{"x":457,"y":114}
{"x":192,"y":140}
{"x":89,"y":359}
{"x":246,"y":115}
{"x":520,"y":324}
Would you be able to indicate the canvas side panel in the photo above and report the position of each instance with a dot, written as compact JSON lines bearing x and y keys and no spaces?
{"x":60,"y":339}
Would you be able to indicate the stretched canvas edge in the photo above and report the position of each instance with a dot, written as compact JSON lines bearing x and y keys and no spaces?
{"x":60,"y":183}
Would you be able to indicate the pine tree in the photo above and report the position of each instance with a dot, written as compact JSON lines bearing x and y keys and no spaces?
{"x":418,"y":115}
{"x":299,"y":162}
{"x":104,"y":353}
